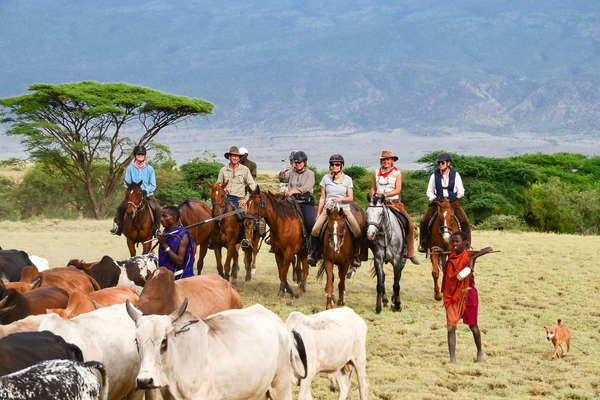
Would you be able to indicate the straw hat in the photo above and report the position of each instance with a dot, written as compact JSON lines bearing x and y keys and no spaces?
{"x":388,"y":154}
{"x":233,"y":150}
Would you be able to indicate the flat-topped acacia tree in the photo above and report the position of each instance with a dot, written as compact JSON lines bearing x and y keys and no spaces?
{"x":80,"y":126}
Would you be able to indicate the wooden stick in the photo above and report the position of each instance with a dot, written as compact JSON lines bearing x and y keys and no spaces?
{"x":470,"y":251}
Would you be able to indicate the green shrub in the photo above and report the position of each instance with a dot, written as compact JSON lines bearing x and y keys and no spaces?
{"x":8,"y":205}
{"x":196,"y":173}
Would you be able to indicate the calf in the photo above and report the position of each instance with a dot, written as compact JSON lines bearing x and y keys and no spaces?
{"x":190,"y":358}
{"x":56,"y":380}
{"x":206,"y":294}
{"x":11,"y":264}
{"x":24,"y":349}
{"x":15,"y":306}
{"x":333,"y":339}
{"x":80,"y":302}
{"x":106,"y":335}
{"x":67,"y":278}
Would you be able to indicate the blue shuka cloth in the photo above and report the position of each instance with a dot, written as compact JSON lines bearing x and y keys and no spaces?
{"x":173,"y":241}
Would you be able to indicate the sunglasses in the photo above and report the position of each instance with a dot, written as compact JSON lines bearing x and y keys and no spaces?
{"x":335,"y":164}
{"x":298,"y":162}
{"x":442,"y":162}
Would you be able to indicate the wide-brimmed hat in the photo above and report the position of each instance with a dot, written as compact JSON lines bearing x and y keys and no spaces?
{"x":388,"y":154}
{"x":233,"y":150}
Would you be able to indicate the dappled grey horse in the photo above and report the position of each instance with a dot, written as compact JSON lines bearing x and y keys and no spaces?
{"x":388,"y":245}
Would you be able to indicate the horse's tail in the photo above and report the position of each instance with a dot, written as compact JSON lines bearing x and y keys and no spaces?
{"x":321,"y":270}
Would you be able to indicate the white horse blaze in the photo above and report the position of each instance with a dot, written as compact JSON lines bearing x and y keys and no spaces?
{"x":335,"y":237}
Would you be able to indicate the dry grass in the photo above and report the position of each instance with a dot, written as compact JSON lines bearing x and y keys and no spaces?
{"x":536,"y":279}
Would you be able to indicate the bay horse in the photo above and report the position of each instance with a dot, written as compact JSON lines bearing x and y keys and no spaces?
{"x":287,"y":235}
{"x":191,"y":212}
{"x":138,"y":218}
{"x":338,"y":249}
{"x":443,"y":225}
{"x":250,"y":244}
{"x":389,"y":246}
{"x":225,"y":233}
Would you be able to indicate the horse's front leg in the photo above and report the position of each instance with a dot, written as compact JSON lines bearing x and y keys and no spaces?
{"x":398,"y":267}
{"x":378,"y":263}
{"x":217,"y":251}
{"x":342,"y":271}
{"x":201,"y":254}
{"x":131,"y":247}
{"x":329,"y":286}
{"x":303,"y":261}
{"x":232,"y":255}
{"x":435,"y":273}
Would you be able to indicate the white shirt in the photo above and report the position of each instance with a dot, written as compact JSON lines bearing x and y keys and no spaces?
{"x":458,"y":186}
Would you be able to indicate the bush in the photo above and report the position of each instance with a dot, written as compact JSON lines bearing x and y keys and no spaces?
{"x":197,"y":172}
{"x":8,"y":205}
{"x":503,"y":222}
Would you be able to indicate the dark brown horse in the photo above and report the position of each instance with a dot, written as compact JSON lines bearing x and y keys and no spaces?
{"x":194,"y":211}
{"x":138,"y":218}
{"x":444,"y":224}
{"x":226,"y":232}
{"x":251,"y":243}
{"x":338,"y":249}
{"x":287,"y":237}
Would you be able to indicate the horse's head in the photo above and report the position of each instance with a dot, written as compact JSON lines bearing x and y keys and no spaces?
{"x":336,"y":226}
{"x":218,"y":197}
{"x":134,"y":195}
{"x":374,"y":215}
{"x":447,"y":223}
{"x":255,"y":209}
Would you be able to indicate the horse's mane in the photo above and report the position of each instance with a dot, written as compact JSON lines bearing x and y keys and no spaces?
{"x":282,"y":207}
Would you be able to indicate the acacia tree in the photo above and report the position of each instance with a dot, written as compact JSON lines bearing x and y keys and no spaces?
{"x":79,"y":127}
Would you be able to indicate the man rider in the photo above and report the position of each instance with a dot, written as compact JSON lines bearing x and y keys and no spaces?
{"x":237,"y":176}
{"x":251,"y":165}
{"x":138,"y":171}
{"x":445,"y":182}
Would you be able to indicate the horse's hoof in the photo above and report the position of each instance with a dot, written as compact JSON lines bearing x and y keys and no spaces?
{"x":340,"y":303}
{"x":397,"y":307}
{"x":438,"y":296}
{"x":226,"y":277}
{"x":301,"y":288}
{"x":280,"y":295}
{"x":378,"y":309}
{"x":385,"y":302}
{"x":248,"y":275}
{"x":351,"y":273}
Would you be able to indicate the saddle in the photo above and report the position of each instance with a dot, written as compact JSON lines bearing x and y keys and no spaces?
{"x":402,"y":218}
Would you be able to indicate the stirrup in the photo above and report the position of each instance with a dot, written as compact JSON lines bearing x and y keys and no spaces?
{"x":421,"y":249}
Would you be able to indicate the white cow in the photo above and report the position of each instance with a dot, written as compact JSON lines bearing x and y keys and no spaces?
{"x":106,"y":335}
{"x":40,"y":263}
{"x":234,"y":354}
{"x":332,"y":339}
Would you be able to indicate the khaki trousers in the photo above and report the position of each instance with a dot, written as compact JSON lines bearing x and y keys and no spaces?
{"x":354,"y":227}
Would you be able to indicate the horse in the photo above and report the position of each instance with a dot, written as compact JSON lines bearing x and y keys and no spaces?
{"x":253,"y":231}
{"x":226,"y":232}
{"x":194,"y":211}
{"x":338,"y":249}
{"x":138,"y":218}
{"x":443,"y":225}
{"x":287,"y":235}
{"x":388,"y":245}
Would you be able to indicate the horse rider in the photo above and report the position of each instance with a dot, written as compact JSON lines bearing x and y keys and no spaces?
{"x":284,"y":174}
{"x":251,"y":165}
{"x":138,"y":171}
{"x":336,"y":189}
{"x":177,"y":250}
{"x":387,"y":182}
{"x":301,"y":182}
{"x":237,"y":176}
{"x":445,"y":182}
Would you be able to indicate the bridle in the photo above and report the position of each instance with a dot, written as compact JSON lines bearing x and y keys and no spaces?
{"x":262,"y":206}
{"x":136,"y":206}
{"x":443,"y":227}
{"x":341,"y":236}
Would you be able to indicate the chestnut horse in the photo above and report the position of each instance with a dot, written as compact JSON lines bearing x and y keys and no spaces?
{"x":226,"y":232}
{"x":338,"y":249}
{"x":287,"y":237}
{"x":138,"y":218}
{"x":194,"y":211}
{"x":444,"y":224}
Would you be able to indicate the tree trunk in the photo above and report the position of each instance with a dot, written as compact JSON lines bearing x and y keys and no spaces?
{"x":99,"y":214}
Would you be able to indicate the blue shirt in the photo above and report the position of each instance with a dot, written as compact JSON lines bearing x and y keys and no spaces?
{"x":146,"y":175}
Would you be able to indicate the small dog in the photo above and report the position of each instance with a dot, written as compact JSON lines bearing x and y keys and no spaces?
{"x":558,"y":335}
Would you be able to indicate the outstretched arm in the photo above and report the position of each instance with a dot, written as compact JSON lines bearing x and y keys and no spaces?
{"x":474,"y":255}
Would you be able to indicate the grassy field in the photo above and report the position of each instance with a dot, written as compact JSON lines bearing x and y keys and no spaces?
{"x":535,"y":280}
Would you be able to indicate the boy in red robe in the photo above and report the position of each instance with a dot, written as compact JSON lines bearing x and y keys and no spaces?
{"x":460,"y":295}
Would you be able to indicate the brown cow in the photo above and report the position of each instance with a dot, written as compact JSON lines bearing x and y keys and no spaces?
{"x":67,"y":278}
{"x":206,"y":294}
{"x":15,"y":306}
{"x":80,"y":302}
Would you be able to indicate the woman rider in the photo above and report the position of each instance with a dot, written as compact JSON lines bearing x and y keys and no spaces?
{"x":301,"y":182}
{"x":138,"y":171}
{"x":336,"y":188}
{"x":387,"y":182}
{"x":177,"y":250}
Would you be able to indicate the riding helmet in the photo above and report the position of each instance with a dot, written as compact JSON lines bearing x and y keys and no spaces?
{"x":139,"y":149}
{"x":336,"y":158}
{"x":444,"y":157}
{"x":300,"y":156}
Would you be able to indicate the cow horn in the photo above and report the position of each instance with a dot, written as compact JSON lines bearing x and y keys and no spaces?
{"x":133,"y":312}
{"x":35,"y":283}
{"x":179,"y":312}
{"x":3,"y":301}
{"x":4,"y":280}
{"x":97,"y":305}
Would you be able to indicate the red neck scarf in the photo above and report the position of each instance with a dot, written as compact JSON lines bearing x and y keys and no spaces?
{"x":140,"y":165}
{"x":385,"y":174}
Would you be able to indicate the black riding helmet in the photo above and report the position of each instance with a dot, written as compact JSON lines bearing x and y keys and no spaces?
{"x":299,"y":156}
{"x":336,"y":158}
{"x":139,"y":149}
{"x":444,"y":157}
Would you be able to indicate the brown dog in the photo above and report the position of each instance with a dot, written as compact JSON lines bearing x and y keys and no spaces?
{"x":558,"y":335}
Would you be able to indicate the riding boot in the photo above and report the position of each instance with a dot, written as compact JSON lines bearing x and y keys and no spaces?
{"x":314,"y":250}
{"x":357,"y":247}
{"x":423,"y":238}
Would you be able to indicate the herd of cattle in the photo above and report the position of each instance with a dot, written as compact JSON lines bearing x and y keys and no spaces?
{"x":122,"y":329}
